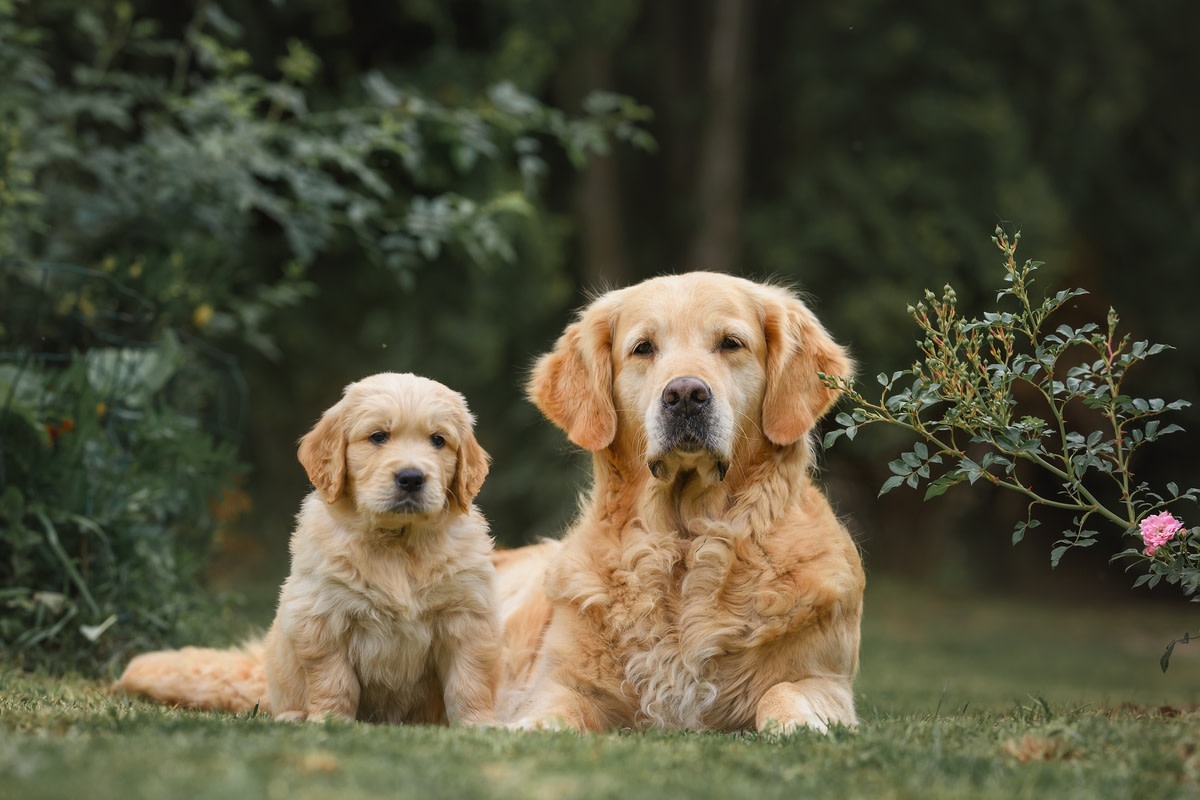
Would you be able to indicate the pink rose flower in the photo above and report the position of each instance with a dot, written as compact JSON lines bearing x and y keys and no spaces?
{"x":1158,"y":529}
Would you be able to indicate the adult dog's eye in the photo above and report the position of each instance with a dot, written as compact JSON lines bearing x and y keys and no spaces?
{"x":379,"y":437}
{"x":438,"y":441}
{"x":731,"y":343}
{"x":644,"y":348}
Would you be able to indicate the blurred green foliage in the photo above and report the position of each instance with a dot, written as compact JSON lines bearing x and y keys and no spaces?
{"x":116,"y":452}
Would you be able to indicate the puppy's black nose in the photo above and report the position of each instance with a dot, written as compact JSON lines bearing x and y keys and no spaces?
{"x":686,"y":396}
{"x":410,"y":480}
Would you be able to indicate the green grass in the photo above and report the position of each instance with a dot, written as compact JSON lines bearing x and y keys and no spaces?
{"x":959,"y":697}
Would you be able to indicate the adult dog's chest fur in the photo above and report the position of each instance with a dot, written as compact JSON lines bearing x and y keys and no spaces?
{"x":689,"y":615}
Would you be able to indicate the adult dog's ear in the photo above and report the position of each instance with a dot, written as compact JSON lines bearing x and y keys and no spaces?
{"x":469,"y":470}
{"x":322,"y":453}
{"x":798,"y":347}
{"x":572,"y":384}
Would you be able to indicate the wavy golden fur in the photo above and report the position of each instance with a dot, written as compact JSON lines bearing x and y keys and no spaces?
{"x":390,"y":611}
{"x":706,"y":583}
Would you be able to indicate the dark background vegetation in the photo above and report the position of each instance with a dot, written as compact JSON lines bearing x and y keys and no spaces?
{"x":862,"y":150}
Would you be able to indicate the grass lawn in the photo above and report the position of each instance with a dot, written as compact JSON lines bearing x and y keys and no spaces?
{"x":959,"y":697}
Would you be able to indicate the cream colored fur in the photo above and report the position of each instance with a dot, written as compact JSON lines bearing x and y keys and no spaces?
{"x":708,"y":587}
{"x":390,"y":611}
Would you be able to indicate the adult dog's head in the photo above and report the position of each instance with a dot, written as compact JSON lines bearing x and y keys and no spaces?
{"x":689,"y":372}
{"x":395,"y":447}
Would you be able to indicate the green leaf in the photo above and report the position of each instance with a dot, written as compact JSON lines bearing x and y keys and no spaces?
{"x":939,"y":486}
{"x":1165,"y":661}
{"x":94,"y":632}
{"x":66,"y":562}
{"x":135,"y":375}
{"x":889,"y":484}
{"x":970,"y":470}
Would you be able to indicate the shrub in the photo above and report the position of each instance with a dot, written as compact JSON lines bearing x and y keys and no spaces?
{"x":111,"y":452}
{"x":990,"y":396}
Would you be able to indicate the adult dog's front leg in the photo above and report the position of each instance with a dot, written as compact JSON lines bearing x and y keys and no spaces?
{"x":569,"y":689}
{"x":557,"y":707}
{"x":814,"y":703}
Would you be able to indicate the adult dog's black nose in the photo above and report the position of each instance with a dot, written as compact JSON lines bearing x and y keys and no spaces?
{"x":410,"y":480}
{"x":686,"y":396}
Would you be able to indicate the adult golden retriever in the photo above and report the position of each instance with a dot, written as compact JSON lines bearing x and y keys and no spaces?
{"x":706,"y":583}
{"x":390,"y":611}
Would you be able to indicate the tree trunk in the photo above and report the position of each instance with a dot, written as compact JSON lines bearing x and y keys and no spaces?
{"x":598,"y":197}
{"x":715,"y":244}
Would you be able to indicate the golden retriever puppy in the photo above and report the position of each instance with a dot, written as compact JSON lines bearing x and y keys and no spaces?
{"x":706,"y":584}
{"x":390,"y":611}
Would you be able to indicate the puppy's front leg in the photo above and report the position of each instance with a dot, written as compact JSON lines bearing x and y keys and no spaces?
{"x":333,"y":688}
{"x":469,"y":669}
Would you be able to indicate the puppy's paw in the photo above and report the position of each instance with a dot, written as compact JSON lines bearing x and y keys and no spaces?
{"x":321,"y":717}
{"x":291,"y":716}
{"x":480,"y":721}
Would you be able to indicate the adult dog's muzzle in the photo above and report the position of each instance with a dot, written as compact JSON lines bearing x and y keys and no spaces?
{"x":686,"y":424}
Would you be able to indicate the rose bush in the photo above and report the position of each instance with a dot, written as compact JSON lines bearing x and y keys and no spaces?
{"x":991,"y":397}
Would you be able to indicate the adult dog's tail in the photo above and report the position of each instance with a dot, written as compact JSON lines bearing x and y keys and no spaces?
{"x":200,"y":677}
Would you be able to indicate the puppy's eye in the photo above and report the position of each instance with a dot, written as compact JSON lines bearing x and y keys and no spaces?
{"x":438,"y":441}
{"x":731,"y":343}
{"x":379,"y":437}
{"x":644,"y":348}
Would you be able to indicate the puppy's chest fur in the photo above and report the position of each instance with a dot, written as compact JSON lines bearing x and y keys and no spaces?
{"x":691,"y":617}
{"x":388,"y":613}
{"x":387,"y":618}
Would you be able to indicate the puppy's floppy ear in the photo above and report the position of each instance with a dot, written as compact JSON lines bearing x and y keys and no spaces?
{"x":572,"y":384}
{"x":798,"y":347}
{"x":470,"y":469}
{"x":322,"y":453}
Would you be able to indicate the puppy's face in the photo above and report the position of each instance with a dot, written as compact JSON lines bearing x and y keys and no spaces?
{"x":690,"y":371}
{"x":396,"y":446}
